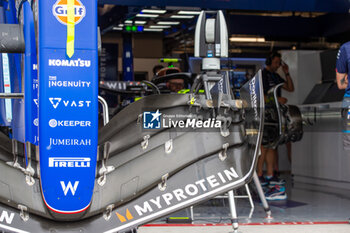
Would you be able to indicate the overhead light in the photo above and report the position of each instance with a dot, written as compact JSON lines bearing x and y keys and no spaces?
{"x":189,"y":12}
{"x":235,"y":50}
{"x":247,"y":39}
{"x":140,"y":22}
{"x":153,"y":29}
{"x":128,"y":21}
{"x":159,"y":26}
{"x":168,"y":23}
{"x":182,"y":16}
{"x":120,"y":25}
{"x":147,"y":15}
{"x":117,"y":28}
{"x":153,"y":11}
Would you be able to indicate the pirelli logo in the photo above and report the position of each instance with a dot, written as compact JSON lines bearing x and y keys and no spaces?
{"x":128,"y":216}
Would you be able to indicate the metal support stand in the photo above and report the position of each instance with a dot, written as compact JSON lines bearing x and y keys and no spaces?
{"x":105,"y":169}
{"x":231,"y":197}
{"x":249,"y":196}
{"x":234,"y":219}
{"x":105,"y":111}
{"x":134,"y":230}
{"x":192,"y":215}
{"x":11,"y":95}
{"x":29,"y":171}
{"x":262,"y":195}
{"x":15,"y":163}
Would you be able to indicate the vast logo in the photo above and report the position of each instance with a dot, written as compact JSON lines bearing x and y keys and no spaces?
{"x":36,"y":102}
{"x":5,"y":216}
{"x":70,"y":187}
{"x":151,"y":120}
{"x":69,"y":103}
{"x":59,"y":10}
{"x":55,"y":102}
{"x":69,"y":162}
{"x":122,"y":218}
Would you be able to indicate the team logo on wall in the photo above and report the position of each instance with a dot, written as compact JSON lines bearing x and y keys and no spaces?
{"x":59,"y":10}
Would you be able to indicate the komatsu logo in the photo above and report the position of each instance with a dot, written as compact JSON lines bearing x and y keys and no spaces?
{"x":185,"y":193}
{"x":69,"y":63}
{"x":59,"y":10}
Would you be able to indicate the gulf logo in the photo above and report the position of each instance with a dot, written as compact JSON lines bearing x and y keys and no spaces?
{"x":59,"y":10}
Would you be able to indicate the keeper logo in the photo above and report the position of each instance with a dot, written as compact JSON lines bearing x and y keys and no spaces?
{"x":59,"y":10}
{"x":53,"y":123}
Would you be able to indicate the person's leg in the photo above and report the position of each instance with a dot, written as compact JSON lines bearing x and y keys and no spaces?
{"x":275,"y":192}
{"x":289,"y":151}
{"x":261,"y":161}
{"x":270,"y":161}
{"x":275,"y":167}
{"x":274,"y":180}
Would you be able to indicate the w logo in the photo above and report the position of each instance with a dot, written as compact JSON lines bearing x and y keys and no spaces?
{"x":69,"y":187}
{"x":122,"y":218}
{"x":5,"y":216}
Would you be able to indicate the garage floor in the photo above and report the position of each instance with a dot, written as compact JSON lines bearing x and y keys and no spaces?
{"x":340,"y":228}
{"x":309,"y":208}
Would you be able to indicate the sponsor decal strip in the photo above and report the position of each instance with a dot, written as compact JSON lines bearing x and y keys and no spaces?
{"x":69,"y":63}
{"x":12,"y":229}
{"x":253,"y":98}
{"x":70,"y":28}
{"x":69,"y":162}
{"x":179,"y":205}
{"x":69,"y":142}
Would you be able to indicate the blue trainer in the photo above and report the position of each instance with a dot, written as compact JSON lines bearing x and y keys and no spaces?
{"x":263,"y":181}
{"x":276,"y":181}
{"x":276,"y":193}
